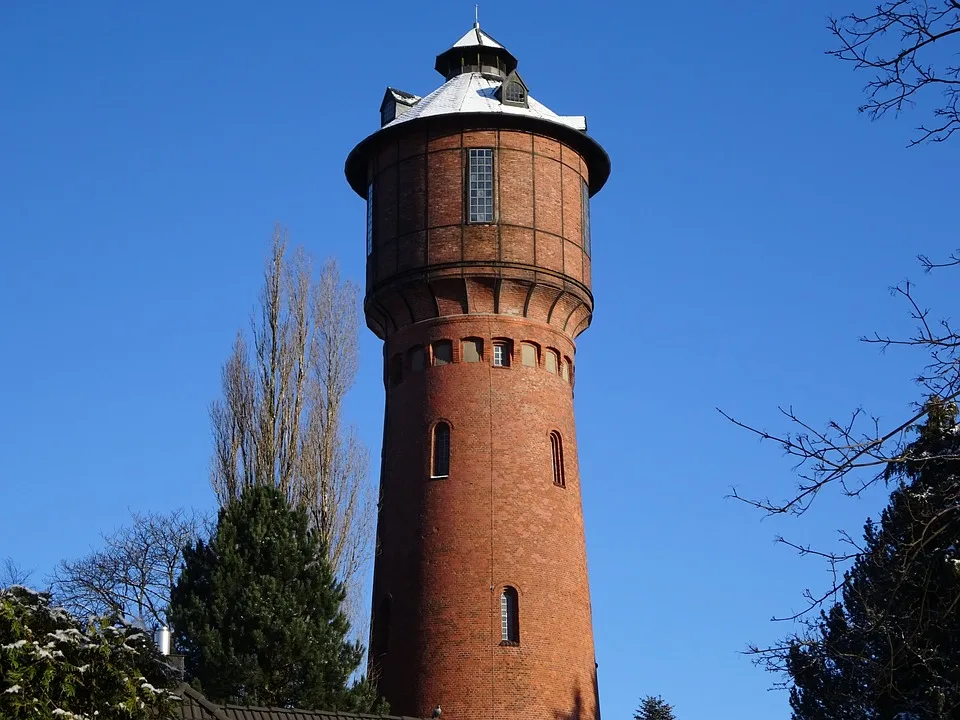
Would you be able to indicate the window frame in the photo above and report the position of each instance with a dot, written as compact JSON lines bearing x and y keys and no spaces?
{"x":478,"y":346}
{"x":556,"y":459}
{"x":585,"y":217}
{"x":433,"y":352}
{"x":536,"y":354}
{"x":555,"y":354}
{"x":437,"y":460}
{"x":502,"y":348}
{"x":487,"y":218}
{"x":509,"y":616}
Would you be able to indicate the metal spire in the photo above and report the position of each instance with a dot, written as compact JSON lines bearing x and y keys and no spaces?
{"x":476,"y":16}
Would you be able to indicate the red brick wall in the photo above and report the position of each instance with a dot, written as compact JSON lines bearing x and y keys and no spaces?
{"x":448,"y":546}
{"x":533,"y":252}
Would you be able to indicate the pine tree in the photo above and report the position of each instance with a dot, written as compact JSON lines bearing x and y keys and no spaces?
{"x":257,"y":612}
{"x":54,"y":666}
{"x":891,"y":648}
{"x":654,"y":708}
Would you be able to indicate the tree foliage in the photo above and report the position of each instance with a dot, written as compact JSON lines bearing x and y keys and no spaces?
{"x":257,"y":611}
{"x":52,"y":666}
{"x":910,"y":48}
{"x":134,"y":572}
{"x":891,"y":647}
{"x":654,"y":708}
{"x":279,"y":422}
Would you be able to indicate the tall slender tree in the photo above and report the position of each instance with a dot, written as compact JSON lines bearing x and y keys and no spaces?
{"x":280,"y":420}
{"x":257,"y":611}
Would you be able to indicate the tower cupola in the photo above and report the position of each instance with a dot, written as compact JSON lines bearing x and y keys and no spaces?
{"x":476,"y":51}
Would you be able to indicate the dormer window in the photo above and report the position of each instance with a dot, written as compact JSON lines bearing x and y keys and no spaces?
{"x":513,"y":91}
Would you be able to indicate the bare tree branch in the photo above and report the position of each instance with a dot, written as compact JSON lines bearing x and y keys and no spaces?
{"x":132,"y":574}
{"x":13,"y":573}
{"x":910,"y":47}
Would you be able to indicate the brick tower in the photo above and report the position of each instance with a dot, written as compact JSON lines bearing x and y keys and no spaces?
{"x":478,"y":282}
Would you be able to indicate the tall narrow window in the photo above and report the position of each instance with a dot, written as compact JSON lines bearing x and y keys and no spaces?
{"x":442,"y":352}
{"x":472,"y":350}
{"x":565,"y":369}
{"x":585,"y":201}
{"x":480,"y":171}
{"x":441,"y":450}
{"x":369,"y":218}
{"x":556,"y":456}
{"x":509,"y":617}
{"x":501,"y":354}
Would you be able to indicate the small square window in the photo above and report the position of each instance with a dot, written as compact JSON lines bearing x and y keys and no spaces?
{"x":442,"y":352}
{"x":472,"y":350}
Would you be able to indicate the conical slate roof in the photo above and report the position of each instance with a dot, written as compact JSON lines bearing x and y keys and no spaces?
{"x":475,"y":37}
{"x":477,"y":93}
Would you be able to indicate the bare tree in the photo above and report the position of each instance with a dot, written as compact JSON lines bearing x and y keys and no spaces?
{"x":910,"y":47}
{"x":133,"y":573}
{"x":280,"y":421}
{"x":857,"y":453}
{"x":13,"y":573}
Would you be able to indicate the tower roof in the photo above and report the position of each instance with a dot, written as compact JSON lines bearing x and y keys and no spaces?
{"x":475,"y":37}
{"x":476,"y":50}
{"x":476,"y":92}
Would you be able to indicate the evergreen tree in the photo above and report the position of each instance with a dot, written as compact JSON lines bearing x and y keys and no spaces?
{"x":891,"y":648}
{"x":53,"y":666}
{"x":654,"y":708}
{"x":257,"y":612}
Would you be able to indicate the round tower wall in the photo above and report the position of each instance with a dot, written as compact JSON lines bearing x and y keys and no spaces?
{"x":428,"y":261}
{"x":448,"y":546}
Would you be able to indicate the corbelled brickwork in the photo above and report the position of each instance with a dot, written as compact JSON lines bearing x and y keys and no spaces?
{"x":505,"y":512}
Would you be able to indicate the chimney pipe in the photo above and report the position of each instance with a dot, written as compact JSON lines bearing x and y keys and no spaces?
{"x":163,"y":640}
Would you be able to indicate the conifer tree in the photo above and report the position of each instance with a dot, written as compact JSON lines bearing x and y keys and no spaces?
{"x":890,"y":648}
{"x":654,"y":708}
{"x":257,"y":612}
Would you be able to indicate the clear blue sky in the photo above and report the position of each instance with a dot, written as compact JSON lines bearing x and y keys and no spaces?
{"x":750,"y":228}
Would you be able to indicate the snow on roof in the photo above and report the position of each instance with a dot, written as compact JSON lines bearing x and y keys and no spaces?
{"x":402,"y":96}
{"x":476,"y":37}
{"x":476,"y":93}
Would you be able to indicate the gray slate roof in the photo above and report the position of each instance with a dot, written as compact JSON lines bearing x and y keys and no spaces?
{"x":476,"y":93}
{"x":195,"y":706}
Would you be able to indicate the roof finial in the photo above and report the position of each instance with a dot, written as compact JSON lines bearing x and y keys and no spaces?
{"x":476,"y":16}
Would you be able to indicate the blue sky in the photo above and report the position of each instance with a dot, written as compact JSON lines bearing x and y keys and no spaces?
{"x":750,"y":228}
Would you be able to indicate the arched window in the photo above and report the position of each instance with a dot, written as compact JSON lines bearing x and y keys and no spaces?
{"x":441,"y":450}
{"x":556,"y":457}
{"x":509,"y":617}
{"x":515,"y":94}
{"x":553,"y":361}
{"x":472,"y":350}
{"x":565,"y":368}
{"x":442,"y":352}
{"x":528,"y":354}
{"x":501,"y":353}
